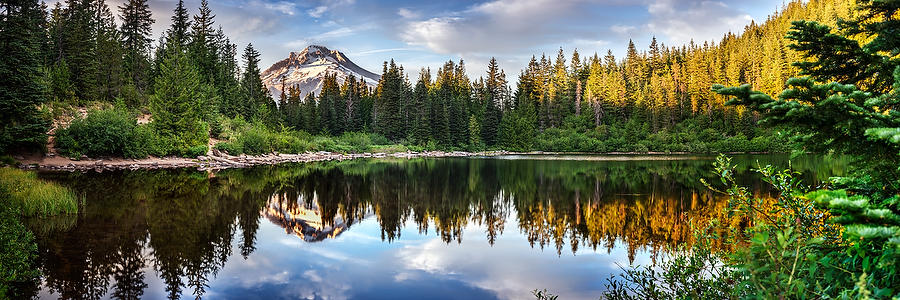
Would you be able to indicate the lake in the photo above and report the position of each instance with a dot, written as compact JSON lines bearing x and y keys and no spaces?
{"x":443,"y":228}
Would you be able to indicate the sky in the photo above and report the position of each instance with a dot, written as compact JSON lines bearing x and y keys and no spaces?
{"x":418,"y":34}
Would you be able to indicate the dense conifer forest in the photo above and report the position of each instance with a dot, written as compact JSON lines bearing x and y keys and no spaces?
{"x":192,"y":84}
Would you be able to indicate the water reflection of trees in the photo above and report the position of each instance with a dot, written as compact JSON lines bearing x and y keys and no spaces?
{"x":182,"y":224}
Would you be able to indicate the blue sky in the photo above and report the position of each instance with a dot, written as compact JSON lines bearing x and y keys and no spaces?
{"x":427,"y":33}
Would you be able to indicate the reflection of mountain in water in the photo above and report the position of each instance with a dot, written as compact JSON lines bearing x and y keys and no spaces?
{"x":304,"y":221}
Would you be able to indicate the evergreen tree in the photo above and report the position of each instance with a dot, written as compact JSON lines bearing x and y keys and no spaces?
{"x":310,"y":114}
{"x":226,"y":82}
{"x":330,"y":106}
{"x":420,"y":132}
{"x":78,"y":46}
{"x":21,"y":124}
{"x":388,"y":107}
{"x":494,"y":98}
{"x":178,"y":101}
{"x":178,"y":33}
{"x":109,"y":53}
{"x":136,"y":29}
{"x":256,"y":100}
{"x":350,"y":93}
{"x":202,"y":44}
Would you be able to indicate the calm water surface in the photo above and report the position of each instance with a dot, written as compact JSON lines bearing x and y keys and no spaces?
{"x":460,"y":228}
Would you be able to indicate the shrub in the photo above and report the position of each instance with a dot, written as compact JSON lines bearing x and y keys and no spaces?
{"x":196,"y":151}
{"x":255,"y":140}
{"x":356,"y":141}
{"x":101,"y":133}
{"x":229,"y":147}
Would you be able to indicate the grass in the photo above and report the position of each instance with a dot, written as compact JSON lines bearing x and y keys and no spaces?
{"x":37,"y":197}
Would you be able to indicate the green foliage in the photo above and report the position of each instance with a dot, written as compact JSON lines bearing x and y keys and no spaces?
{"x":18,"y":251}
{"x":693,"y":273}
{"x":180,"y":102}
{"x":788,"y":249}
{"x":22,"y":126}
{"x":255,"y":138}
{"x":115,"y":132}
{"x":36,"y":197}
{"x":109,"y":132}
{"x":196,"y":151}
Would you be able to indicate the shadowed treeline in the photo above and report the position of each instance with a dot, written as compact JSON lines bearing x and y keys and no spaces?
{"x":183,"y":225}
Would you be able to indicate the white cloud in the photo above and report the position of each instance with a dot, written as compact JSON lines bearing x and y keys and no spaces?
{"x":318,"y":11}
{"x":326,"y":6}
{"x":284,"y":7}
{"x":325,"y":37}
{"x":623,"y":29}
{"x":682,"y":21}
{"x":496,"y":26}
{"x":376,"y":51}
{"x":407,"y":14}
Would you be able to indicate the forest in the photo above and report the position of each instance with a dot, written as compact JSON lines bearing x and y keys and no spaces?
{"x":820,"y":76}
{"x":90,"y":74}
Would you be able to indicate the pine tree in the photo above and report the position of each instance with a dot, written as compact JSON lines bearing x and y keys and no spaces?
{"x":388,"y":112}
{"x":136,"y":29}
{"x":256,"y":100}
{"x":329,"y":101}
{"x":178,"y":101}
{"x":227,"y":77}
{"x":178,"y":33}
{"x":850,"y":104}
{"x":202,"y":44}
{"x":109,"y":53}
{"x":310,"y":115}
{"x":22,"y":127}
{"x":78,"y":46}
{"x":419,"y":133}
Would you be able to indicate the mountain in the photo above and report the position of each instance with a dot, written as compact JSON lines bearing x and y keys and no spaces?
{"x":307,"y":68}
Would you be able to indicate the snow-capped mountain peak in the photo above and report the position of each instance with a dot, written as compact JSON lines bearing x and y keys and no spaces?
{"x":306,"y":69}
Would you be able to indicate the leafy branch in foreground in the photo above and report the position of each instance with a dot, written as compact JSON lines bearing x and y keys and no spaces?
{"x":842,"y":241}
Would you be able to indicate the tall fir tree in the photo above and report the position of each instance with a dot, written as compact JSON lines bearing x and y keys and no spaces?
{"x":109,"y":53}
{"x":388,"y":107}
{"x":177,"y":105}
{"x":256,"y":100}
{"x":202,"y":43}
{"x":22,"y":126}
{"x":137,"y":22}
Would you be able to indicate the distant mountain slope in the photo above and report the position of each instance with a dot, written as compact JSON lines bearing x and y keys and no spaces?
{"x":307,"y":68}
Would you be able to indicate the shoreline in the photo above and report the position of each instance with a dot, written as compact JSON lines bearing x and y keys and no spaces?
{"x":216,"y":160}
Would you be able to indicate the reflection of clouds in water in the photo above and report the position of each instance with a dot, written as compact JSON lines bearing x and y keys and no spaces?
{"x":510,"y":268}
{"x":352,"y":265}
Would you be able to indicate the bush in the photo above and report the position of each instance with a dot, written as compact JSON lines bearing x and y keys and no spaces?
{"x":101,"y":133}
{"x":357,"y":142}
{"x":196,"y":151}
{"x":255,"y":140}
{"x":115,"y":132}
{"x":229,"y":147}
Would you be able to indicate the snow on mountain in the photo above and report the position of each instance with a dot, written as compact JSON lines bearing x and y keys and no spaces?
{"x":307,"y":68}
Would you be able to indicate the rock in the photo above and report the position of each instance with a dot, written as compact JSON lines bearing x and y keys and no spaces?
{"x":83,"y":157}
{"x":201,"y":157}
{"x":19,"y":157}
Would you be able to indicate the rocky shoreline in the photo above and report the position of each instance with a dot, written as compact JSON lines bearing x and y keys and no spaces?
{"x":217,"y":160}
